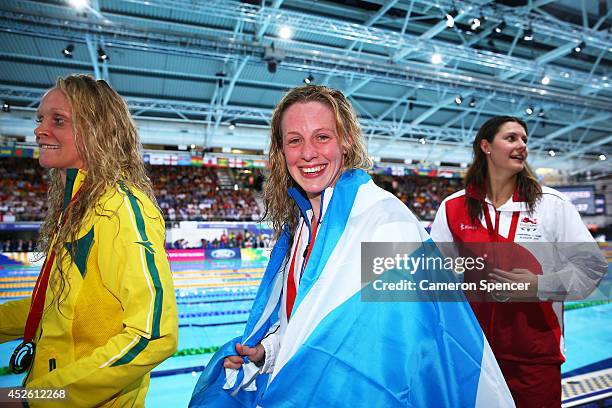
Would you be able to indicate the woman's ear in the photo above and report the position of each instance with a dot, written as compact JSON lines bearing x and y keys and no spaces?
{"x":485,"y":147}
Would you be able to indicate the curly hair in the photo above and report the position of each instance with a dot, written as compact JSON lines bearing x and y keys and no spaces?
{"x":280,"y":209}
{"x":107,"y":140}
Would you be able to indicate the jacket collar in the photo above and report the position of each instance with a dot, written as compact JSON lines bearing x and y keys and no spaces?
{"x":304,"y":205}
{"x":74,"y":181}
{"x":515,"y":203}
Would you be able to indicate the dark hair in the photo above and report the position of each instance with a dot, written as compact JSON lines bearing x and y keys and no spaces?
{"x":528,"y":187}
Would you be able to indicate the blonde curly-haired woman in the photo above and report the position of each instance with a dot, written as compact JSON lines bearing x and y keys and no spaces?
{"x":103,"y":311}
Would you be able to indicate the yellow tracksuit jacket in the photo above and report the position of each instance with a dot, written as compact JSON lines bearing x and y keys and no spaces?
{"x":119,"y":319}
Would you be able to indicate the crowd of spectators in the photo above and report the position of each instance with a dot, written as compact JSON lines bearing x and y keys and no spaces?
{"x":235,"y":239}
{"x":201,"y":193}
{"x":183,"y":193}
{"x":197,"y":193}
{"x":23,"y":190}
{"x":423,"y":195}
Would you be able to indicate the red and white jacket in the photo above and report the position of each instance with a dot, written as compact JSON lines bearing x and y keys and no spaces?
{"x":530,"y":332}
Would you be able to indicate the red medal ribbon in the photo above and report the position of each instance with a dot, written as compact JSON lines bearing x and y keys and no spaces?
{"x":23,"y":355}
{"x":291,"y":288}
{"x":40,"y":289}
{"x":38,"y":299}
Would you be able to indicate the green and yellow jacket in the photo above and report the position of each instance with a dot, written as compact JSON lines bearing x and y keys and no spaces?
{"x":119,"y":319}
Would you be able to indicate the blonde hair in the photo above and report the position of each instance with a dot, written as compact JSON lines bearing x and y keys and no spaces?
{"x":281,"y":210}
{"x":107,"y":140}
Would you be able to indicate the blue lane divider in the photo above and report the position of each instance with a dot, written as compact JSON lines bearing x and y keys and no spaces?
{"x":175,"y":371}
{"x":235,"y":299}
{"x":211,"y":324}
{"x":215,"y":313}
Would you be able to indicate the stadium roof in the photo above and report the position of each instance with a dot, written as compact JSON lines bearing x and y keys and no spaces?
{"x":191,"y":69}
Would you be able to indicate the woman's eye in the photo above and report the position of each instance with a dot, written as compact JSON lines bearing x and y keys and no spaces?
{"x":322,"y":137}
{"x":293,"y":141}
{"x":38,"y":120}
{"x":59,"y":121}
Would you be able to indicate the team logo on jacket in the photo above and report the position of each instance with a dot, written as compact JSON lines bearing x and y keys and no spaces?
{"x":528,"y":220}
{"x":528,"y":229}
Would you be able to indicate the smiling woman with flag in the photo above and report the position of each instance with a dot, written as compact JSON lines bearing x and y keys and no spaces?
{"x":103,"y":311}
{"x":311,"y":340}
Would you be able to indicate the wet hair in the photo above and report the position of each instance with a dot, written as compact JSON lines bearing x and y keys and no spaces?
{"x":280,"y":208}
{"x":108,"y":143}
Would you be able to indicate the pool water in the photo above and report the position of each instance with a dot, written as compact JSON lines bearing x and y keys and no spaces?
{"x":214,"y":299}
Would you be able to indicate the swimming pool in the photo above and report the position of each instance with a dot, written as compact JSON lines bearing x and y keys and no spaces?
{"x":215,"y":297}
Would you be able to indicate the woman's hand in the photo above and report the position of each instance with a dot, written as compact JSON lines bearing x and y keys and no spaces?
{"x":255,"y":354}
{"x":524,"y":276}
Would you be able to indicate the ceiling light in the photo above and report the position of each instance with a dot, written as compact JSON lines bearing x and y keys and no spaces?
{"x":545,"y":80}
{"x":102,"y":55}
{"x":528,"y":34}
{"x":422,"y":140}
{"x":529,"y":110}
{"x":68,"y":51}
{"x":193,"y":146}
{"x":472,"y":103}
{"x":541,"y":113}
{"x":450,"y":21}
{"x":450,"y":18}
{"x":285,"y":32}
{"x":458,"y":100}
{"x":602,"y":157}
{"x":580,"y":46}
{"x":475,"y":24}
{"x":552,"y":153}
{"x":309,"y":79}
{"x":79,"y":4}
{"x":500,"y":27}
{"x":232,"y":125}
{"x":6,"y":107}
{"x":436,"y":58}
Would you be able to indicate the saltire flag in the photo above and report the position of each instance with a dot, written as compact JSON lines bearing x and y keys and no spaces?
{"x":341,"y":351}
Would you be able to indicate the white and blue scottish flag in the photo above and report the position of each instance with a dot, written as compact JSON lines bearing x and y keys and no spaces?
{"x":341,"y":351}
